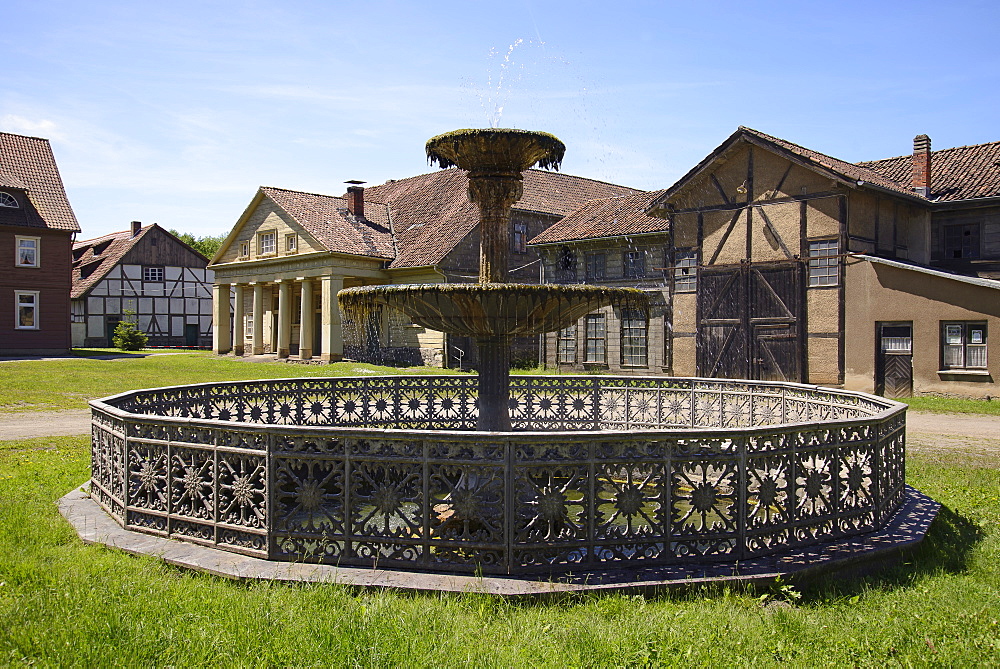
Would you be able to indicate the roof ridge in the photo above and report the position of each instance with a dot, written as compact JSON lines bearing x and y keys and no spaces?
{"x":933,"y":152}
{"x":302,"y":192}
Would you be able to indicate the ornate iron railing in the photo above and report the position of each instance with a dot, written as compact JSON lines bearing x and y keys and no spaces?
{"x":600,"y":472}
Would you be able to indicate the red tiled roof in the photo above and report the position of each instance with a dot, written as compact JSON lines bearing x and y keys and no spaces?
{"x":326,"y":218}
{"x":960,"y":173}
{"x":606,"y":217}
{"x":115,"y":246}
{"x":431,"y":213}
{"x":27,"y":163}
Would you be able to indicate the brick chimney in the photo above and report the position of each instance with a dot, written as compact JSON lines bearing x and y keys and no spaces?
{"x":136,"y":227}
{"x":356,"y":201}
{"x":921,"y":170}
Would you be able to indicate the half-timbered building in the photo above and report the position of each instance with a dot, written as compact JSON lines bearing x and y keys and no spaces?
{"x":147,"y":274}
{"x":290,"y":253}
{"x":37,"y":225}
{"x":777,"y":262}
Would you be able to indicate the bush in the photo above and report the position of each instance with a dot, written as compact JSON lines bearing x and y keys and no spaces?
{"x":127,"y":336}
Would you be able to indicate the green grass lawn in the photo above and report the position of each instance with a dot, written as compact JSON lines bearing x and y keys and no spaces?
{"x":63,"y":603}
{"x":71,"y":382}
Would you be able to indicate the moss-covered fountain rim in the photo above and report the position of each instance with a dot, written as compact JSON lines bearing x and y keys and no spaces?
{"x":549,"y":148}
{"x":567,"y":289}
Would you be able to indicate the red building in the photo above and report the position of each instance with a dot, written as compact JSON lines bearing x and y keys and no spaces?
{"x":37,"y":225}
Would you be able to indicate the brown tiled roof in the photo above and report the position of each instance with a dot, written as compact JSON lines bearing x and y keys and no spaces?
{"x":326,"y":218}
{"x":961,"y":173}
{"x":606,"y":217}
{"x":431,"y":213}
{"x":850,"y":171}
{"x":112,"y":248}
{"x":27,"y":163}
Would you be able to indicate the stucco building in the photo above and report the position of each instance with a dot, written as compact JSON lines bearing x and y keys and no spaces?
{"x":772,"y":261}
{"x":290,"y":253}
{"x":37,"y":225}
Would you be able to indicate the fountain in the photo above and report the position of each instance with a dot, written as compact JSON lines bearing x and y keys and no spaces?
{"x":522,"y":484}
{"x":492,"y":311}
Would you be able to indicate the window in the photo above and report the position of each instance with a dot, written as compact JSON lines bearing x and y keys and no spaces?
{"x":7,"y":200}
{"x":244,"y":249}
{"x":963,"y":345}
{"x":291,"y":243}
{"x":824,"y":262}
{"x":248,"y":328}
{"x":26,"y":305}
{"x":595,"y":266}
{"x":520,"y":238}
{"x":267,"y":243}
{"x":685,"y":271}
{"x":27,"y":251}
{"x":595,"y":338}
{"x":635,"y":264}
{"x":961,"y":241}
{"x":566,"y":352}
{"x":78,"y":311}
{"x":152,"y":274}
{"x":633,"y":338}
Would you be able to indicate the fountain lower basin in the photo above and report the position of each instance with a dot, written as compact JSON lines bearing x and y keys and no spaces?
{"x":600,"y":473}
{"x":483,"y":310}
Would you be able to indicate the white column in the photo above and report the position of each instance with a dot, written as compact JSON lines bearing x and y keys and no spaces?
{"x":284,"y":316}
{"x":239,"y":320}
{"x":332,"y":334}
{"x":306,"y":319}
{"x":257,"y":347}
{"x":221,"y":334}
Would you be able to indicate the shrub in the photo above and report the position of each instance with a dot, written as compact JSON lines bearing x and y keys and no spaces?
{"x":127,"y":336}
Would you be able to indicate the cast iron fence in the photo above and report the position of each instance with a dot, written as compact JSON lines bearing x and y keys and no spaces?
{"x":600,"y":472}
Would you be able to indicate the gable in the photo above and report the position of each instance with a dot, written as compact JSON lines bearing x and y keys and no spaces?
{"x":264,"y":215}
{"x":159,"y":247}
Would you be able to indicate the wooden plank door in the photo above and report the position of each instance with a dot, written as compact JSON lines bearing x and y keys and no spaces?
{"x":776,"y":308}
{"x":722,"y":343}
{"x":894,"y":359}
{"x":750,"y":322}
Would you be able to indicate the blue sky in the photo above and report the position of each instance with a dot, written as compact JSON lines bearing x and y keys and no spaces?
{"x":176,"y":112}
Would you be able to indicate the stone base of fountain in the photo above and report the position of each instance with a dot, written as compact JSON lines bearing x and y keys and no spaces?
{"x":847,"y":557}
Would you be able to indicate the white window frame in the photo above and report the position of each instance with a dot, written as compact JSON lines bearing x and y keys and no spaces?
{"x":291,"y":243}
{"x":8,"y":200}
{"x":824,"y":262}
{"x":18,"y":294}
{"x":149,"y":272}
{"x":36,"y":246}
{"x":244,"y":249}
{"x":267,"y":243}
{"x":686,"y":270}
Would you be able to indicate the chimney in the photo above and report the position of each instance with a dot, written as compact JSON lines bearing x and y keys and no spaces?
{"x":136,"y":227}
{"x":921,"y":169}
{"x":356,"y":200}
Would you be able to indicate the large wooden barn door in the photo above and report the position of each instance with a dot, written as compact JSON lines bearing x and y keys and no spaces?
{"x":750,"y":322}
{"x":894,"y":359}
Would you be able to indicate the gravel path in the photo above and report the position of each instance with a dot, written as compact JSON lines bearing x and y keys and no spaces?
{"x":967,"y":439}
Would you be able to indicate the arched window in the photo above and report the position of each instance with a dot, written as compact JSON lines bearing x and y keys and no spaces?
{"x":7,"y":200}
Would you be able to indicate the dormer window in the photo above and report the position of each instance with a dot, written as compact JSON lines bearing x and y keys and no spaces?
{"x":7,"y":200}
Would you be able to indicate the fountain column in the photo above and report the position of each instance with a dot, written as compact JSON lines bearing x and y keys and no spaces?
{"x":495,"y":194}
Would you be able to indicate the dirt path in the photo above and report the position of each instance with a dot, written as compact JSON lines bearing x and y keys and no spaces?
{"x":966,"y":439}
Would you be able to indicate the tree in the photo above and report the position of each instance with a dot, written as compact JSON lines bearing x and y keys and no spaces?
{"x":127,"y":336}
{"x":207,"y":246}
